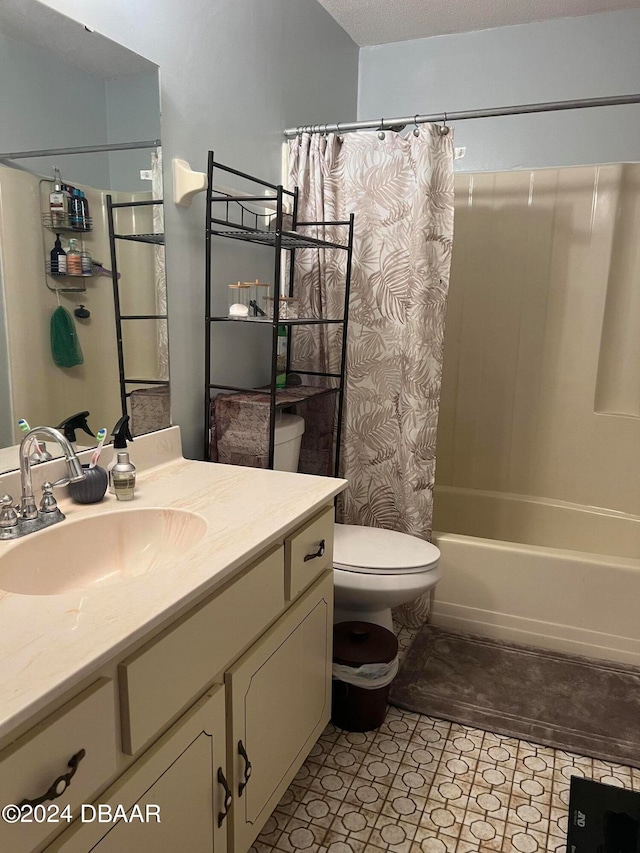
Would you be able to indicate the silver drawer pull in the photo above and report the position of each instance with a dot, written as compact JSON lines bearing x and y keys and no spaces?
{"x":318,"y":553}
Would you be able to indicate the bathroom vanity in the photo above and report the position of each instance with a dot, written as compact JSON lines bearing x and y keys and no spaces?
{"x":179,"y":700}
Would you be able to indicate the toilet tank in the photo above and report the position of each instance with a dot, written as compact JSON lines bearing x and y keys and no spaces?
{"x":288,"y":436}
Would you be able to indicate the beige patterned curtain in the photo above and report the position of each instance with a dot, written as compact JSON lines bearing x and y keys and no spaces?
{"x":401,"y":191}
{"x":159,"y":266}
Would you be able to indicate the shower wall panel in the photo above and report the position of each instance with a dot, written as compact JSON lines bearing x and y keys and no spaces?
{"x":41,"y":392}
{"x":541,"y":376}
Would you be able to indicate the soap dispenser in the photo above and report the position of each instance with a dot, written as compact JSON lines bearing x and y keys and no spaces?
{"x":69,"y":426}
{"x":121,"y":435}
{"x":58,"y":258}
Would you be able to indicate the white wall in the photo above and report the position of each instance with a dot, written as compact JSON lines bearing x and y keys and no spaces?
{"x":233,"y":76}
{"x":584,"y":57}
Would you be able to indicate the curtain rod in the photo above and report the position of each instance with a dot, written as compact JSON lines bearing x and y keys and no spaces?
{"x":390,"y":123}
{"x":85,"y":149}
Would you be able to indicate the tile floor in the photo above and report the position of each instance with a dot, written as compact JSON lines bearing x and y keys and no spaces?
{"x":421,"y":785}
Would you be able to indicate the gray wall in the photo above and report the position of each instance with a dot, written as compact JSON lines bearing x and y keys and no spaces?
{"x":233,"y":76}
{"x":47,"y":104}
{"x":590,"y":56}
{"x":133,"y":114}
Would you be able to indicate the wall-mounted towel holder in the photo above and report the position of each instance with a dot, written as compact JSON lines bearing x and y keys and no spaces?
{"x":186,"y":183}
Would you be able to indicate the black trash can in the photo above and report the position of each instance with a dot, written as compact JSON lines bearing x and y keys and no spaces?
{"x":365,"y":662}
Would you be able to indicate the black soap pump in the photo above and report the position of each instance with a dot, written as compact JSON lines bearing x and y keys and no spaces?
{"x":69,"y":426}
{"x":58,"y":258}
{"x":121,"y":435}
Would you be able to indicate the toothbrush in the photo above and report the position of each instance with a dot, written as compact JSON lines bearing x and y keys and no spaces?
{"x":39,"y":451}
{"x":102,"y":434}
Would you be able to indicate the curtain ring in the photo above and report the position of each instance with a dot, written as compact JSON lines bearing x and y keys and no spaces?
{"x":381,"y":131}
{"x":416,"y":130}
{"x":444,"y":130}
{"x":339,"y":137}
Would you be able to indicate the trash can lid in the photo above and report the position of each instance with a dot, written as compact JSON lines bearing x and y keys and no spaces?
{"x":358,"y":643}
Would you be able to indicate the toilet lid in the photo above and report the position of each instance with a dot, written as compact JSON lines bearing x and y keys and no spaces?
{"x":371,"y":549}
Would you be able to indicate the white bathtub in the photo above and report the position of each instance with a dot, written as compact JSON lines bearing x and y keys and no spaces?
{"x":545,"y":573}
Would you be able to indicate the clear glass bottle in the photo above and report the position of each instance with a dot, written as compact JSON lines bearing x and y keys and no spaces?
{"x":123,"y":477}
{"x":239,"y":299}
{"x":58,"y":201}
{"x":86,"y":263}
{"x":74,"y":258}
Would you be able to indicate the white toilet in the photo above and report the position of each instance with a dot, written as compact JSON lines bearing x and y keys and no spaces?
{"x":287,"y":439}
{"x":375,"y":570}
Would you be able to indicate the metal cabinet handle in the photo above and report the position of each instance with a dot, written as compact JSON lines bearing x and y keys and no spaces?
{"x":318,"y":553}
{"x":227,"y":797}
{"x":60,"y":785}
{"x":247,"y":768}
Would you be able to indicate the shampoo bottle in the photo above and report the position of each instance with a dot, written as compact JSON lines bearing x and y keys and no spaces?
{"x":121,"y":435}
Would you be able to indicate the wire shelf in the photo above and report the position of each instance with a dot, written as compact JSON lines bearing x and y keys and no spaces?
{"x":66,"y":224}
{"x":64,"y":275}
{"x":288,"y":239}
{"x":156,"y":239}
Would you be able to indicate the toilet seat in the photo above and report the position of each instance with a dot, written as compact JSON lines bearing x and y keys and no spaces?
{"x":372,"y":550}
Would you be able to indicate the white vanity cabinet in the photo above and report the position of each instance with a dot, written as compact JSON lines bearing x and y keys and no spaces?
{"x":174,"y":787}
{"x":217,"y":712}
{"x":279,"y":696}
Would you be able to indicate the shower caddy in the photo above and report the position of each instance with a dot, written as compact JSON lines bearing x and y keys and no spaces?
{"x":237,"y":222}
{"x":65,"y":282}
{"x":156,"y":239}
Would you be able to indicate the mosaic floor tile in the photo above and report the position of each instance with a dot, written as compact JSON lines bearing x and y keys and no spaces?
{"x":423,"y":785}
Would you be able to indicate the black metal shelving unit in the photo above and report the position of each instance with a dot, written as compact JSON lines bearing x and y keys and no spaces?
{"x":242,"y":224}
{"x":155,"y":239}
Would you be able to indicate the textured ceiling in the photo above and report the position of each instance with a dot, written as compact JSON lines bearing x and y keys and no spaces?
{"x":381,"y":21}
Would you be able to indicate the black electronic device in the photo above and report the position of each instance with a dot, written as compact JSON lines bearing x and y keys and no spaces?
{"x":602,"y":818}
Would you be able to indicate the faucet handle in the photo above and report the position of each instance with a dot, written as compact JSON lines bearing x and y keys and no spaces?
{"x":48,"y":503}
{"x":8,"y":514}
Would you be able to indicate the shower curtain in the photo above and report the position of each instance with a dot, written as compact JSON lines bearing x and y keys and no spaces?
{"x":401,"y":192}
{"x":159,"y":265}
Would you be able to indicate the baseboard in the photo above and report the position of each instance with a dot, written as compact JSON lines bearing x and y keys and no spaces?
{"x":533,"y":632}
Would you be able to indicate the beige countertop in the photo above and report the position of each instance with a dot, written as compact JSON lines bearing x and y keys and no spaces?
{"x":50,"y":642}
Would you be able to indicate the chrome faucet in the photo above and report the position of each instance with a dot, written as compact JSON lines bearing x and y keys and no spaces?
{"x":27,"y":518}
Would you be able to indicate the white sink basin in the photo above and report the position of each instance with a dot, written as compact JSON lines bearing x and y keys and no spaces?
{"x":97,"y":551}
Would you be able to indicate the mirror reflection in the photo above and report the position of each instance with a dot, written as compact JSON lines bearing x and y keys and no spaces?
{"x":93,"y":106}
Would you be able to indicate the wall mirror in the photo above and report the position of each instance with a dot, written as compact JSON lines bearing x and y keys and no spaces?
{"x":95,"y":106}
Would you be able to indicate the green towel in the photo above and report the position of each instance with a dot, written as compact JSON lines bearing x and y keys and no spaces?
{"x":65,"y":346}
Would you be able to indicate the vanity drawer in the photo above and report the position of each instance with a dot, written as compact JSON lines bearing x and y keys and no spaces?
{"x":166,"y":674}
{"x":29,"y":766}
{"x":303,"y":560}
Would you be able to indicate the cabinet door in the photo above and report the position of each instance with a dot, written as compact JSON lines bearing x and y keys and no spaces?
{"x":175,"y":781}
{"x":280,"y":701}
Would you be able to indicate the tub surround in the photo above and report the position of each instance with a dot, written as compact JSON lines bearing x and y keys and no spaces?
{"x":50,"y":643}
{"x":569,"y":601}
